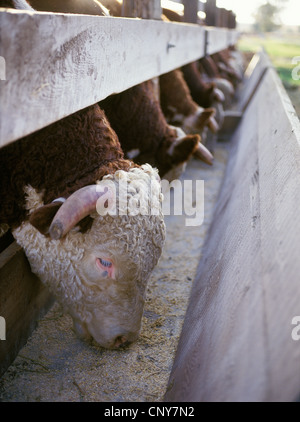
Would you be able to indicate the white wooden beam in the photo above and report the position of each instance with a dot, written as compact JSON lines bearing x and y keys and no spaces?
{"x":57,"y":64}
{"x":218,"y":39}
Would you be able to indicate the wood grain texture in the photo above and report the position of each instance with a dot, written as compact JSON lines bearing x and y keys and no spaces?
{"x":146,"y":9}
{"x":236,"y":343}
{"x":191,"y":8}
{"x":211,"y":11}
{"x":254,"y":73}
{"x":23,"y":300}
{"x":57,"y":64}
{"x":219,"y":39}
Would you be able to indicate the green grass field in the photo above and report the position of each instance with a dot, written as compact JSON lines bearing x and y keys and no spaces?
{"x":281,"y":50}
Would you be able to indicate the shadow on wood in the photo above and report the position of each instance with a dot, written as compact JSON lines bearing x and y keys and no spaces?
{"x":23,"y":299}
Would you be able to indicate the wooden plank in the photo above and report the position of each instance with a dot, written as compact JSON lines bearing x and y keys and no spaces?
{"x":6,"y":240}
{"x":220,"y":17}
{"x":146,"y":9}
{"x":232,"y":20}
{"x":218,"y":39}
{"x":211,"y":11}
{"x":67,"y":62}
{"x":23,"y":299}
{"x":231,"y":120}
{"x":236,"y":343}
{"x":253,"y":77}
{"x":190,"y":11}
{"x":232,"y":37}
{"x":254,"y":74}
{"x":201,"y":6}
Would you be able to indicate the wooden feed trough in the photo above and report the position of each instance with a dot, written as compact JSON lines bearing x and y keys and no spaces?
{"x":236,"y":343}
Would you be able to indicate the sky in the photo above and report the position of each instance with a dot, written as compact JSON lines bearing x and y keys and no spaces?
{"x":244,"y":10}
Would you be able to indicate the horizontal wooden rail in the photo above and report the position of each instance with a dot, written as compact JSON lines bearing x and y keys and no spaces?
{"x":56,"y":64}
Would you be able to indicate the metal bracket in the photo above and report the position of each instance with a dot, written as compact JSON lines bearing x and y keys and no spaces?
{"x":206,"y":42}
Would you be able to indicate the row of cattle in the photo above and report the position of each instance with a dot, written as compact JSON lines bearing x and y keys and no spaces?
{"x":96,"y":265}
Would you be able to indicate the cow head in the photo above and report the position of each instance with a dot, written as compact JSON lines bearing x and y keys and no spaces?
{"x":173,"y":156}
{"x":201,"y":119}
{"x":174,"y":153}
{"x":99,"y":276}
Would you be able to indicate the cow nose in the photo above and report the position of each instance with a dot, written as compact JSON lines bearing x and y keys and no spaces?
{"x":120,"y":341}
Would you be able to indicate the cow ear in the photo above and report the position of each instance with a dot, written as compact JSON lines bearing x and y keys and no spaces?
{"x":204,"y":118}
{"x":210,"y":91}
{"x":185,"y":148}
{"x":85,"y":224}
{"x":42,"y":218}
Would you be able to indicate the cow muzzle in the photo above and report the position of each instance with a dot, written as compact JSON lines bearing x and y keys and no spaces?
{"x":117,"y":338}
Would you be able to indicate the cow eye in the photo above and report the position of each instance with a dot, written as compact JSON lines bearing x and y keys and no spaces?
{"x":105,"y":263}
{"x":106,"y":267}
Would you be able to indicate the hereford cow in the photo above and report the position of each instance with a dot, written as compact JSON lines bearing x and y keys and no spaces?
{"x":179,"y":107}
{"x":222,"y":61}
{"x":96,"y":263}
{"x":210,"y":74}
{"x":179,"y":110}
{"x":144,"y":134}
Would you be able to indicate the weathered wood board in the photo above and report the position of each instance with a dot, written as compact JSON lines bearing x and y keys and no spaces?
{"x":23,"y":299}
{"x":57,"y":64}
{"x":252,"y":78}
{"x":219,"y":39}
{"x":236,"y":343}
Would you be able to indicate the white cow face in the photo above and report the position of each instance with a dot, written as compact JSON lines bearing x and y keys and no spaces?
{"x":115,"y":274}
{"x":99,"y":276}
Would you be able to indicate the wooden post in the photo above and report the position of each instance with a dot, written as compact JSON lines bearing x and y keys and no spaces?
{"x":210,"y":11}
{"x":190,"y":11}
{"x":224,"y":18}
{"x":221,"y":19}
{"x":217,"y":17}
{"x":23,"y":300}
{"x":231,"y":20}
{"x":146,"y":9}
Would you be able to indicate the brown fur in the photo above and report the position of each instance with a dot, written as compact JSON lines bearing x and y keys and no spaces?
{"x":6,"y":3}
{"x":178,"y":105}
{"x":171,"y":15}
{"x":138,"y":120}
{"x":58,"y":160}
{"x":210,"y":67}
{"x":201,"y":92}
{"x":175,"y":94}
{"x":226,"y":71}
